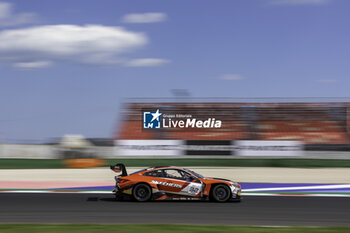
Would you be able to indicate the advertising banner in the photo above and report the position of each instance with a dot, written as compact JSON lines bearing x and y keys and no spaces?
{"x":149,"y":147}
{"x":268,"y":148}
{"x":209,"y":147}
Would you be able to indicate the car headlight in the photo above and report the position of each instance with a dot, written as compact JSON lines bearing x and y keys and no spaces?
{"x":233,"y":188}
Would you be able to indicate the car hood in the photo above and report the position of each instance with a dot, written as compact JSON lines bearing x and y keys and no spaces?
{"x":216,"y":179}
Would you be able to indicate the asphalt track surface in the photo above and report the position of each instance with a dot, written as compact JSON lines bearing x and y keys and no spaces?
{"x":102,"y":208}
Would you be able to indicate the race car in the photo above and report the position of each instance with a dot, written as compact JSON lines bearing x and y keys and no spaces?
{"x":172,"y":183}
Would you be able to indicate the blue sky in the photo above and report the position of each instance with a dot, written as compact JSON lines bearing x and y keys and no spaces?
{"x":66,"y":66}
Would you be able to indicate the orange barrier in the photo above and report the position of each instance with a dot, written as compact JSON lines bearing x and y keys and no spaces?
{"x":83,"y":163}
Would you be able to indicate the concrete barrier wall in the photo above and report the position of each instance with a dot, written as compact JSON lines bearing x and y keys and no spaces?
{"x":242,"y":148}
{"x":189,"y":149}
{"x":25,"y":151}
{"x":17,"y":151}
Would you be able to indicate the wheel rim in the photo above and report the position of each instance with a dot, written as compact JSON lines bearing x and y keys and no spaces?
{"x":221,"y":193}
{"x":142,"y":193}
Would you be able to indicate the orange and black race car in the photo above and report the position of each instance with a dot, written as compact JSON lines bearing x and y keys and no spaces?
{"x":172,"y":183}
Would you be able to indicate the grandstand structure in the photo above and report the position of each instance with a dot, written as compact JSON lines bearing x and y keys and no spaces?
{"x":310,"y":122}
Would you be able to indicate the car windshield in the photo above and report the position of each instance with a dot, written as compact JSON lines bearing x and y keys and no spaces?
{"x":194,"y":173}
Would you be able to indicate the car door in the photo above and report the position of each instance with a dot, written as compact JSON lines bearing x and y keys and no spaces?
{"x":171,"y":181}
{"x":193,"y":186}
{"x":181,"y":182}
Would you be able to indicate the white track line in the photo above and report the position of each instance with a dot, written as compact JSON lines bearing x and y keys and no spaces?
{"x":295,"y":195}
{"x":45,"y":191}
{"x":336,"y":186}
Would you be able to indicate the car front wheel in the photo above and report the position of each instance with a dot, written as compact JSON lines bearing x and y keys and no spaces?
{"x":220,"y":193}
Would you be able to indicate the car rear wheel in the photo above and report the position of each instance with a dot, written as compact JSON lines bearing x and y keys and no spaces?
{"x":142,"y":192}
{"x":220,"y":193}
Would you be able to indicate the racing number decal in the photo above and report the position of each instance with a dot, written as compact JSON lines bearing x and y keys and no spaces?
{"x":192,"y":189}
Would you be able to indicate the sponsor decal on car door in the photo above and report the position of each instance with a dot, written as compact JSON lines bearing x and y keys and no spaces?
{"x":169,"y":185}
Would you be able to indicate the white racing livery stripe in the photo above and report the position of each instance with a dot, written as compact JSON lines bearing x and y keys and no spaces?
{"x":192,"y":189}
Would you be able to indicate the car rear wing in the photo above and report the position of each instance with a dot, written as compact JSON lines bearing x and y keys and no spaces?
{"x":119,"y":167}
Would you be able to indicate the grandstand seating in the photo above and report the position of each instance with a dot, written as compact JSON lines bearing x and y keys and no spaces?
{"x":133,"y":130}
{"x":313,"y":123}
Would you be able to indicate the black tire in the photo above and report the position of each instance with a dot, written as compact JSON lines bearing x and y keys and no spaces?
{"x":220,"y":193}
{"x":142,"y":192}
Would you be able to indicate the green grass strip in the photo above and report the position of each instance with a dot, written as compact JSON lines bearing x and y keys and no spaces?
{"x":159,"y":228}
{"x":231,"y":162}
{"x":211,"y":162}
{"x":30,"y":163}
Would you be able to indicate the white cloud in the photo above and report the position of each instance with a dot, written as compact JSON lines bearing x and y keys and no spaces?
{"x":231,"y":77}
{"x":42,"y":46}
{"x":298,"y":2}
{"x":32,"y":64}
{"x":8,"y":18}
{"x":152,"y":17}
{"x":86,"y":44}
{"x":146,"y":62}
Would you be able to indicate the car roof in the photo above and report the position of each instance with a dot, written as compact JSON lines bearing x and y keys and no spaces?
{"x":166,"y":167}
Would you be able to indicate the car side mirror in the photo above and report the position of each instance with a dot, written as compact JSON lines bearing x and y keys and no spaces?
{"x":192,"y":178}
